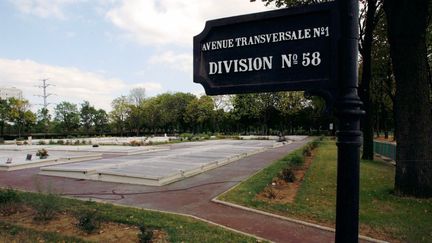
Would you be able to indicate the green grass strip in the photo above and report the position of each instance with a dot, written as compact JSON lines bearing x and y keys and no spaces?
{"x":179,"y":228}
{"x":382,"y":214}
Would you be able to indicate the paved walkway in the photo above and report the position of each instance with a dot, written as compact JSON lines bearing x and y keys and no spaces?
{"x":191,"y":196}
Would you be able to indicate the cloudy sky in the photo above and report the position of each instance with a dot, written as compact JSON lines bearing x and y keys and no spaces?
{"x":97,"y":50}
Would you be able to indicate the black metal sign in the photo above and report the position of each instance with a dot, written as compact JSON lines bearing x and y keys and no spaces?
{"x":281,"y":50}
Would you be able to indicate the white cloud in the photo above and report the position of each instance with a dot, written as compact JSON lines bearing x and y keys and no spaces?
{"x":177,"y":61}
{"x":44,"y":8}
{"x":71,"y":84}
{"x":173,"y":21}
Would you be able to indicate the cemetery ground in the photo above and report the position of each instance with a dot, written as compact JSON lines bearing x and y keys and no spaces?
{"x":32,"y":217}
{"x":383,"y":215}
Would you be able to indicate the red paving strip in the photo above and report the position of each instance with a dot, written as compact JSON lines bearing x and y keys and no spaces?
{"x":190,"y":196}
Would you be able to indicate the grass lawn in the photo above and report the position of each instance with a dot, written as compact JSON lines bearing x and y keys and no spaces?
{"x":382,"y":215}
{"x":178,"y":228}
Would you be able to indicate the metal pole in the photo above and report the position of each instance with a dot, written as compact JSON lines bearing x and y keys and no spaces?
{"x":349,"y":136}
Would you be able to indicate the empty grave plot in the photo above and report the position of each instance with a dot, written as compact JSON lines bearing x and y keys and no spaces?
{"x":18,"y":160}
{"x":105,"y":149}
{"x":159,"y":168}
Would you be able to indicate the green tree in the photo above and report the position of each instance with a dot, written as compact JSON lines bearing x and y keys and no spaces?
{"x":246,"y":111}
{"x":119,"y":114}
{"x":290,"y":105}
{"x":87,"y":116}
{"x":43,"y":120}
{"x":101,"y":121}
{"x":17,"y":113}
{"x":4,"y":114}
{"x":67,"y":116}
{"x":152,"y":114}
{"x":199,"y":113}
{"x":408,"y":21}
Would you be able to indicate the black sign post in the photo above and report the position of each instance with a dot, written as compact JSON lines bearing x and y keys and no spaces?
{"x":312,"y":48}
{"x":349,"y":136}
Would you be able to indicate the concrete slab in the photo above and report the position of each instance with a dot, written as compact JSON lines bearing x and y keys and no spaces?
{"x":105,"y":149}
{"x":157,"y":168}
{"x":18,"y":160}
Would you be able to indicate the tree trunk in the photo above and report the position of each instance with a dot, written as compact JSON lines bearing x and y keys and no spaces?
{"x":365,"y":92}
{"x":407,"y":22}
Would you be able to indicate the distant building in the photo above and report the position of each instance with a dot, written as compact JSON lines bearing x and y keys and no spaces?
{"x":10,"y":92}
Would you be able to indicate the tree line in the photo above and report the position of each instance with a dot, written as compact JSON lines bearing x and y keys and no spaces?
{"x":171,"y":113}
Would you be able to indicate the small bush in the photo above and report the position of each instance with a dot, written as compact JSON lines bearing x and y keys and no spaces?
{"x":145,"y":235}
{"x":314,"y":144}
{"x":51,"y":142}
{"x":186,"y":136}
{"x":42,"y":153}
{"x":204,"y":136}
{"x":287,"y":175}
{"x":88,"y":220}
{"x":61,"y":142}
{"x":296,"y":160}
{"x":41,"y":142}
{"x":270,"y":192}
{"x":307,"y":151}
{"x":46,"y":207}
{"x":84,"y":142}
{"x":9,"y":201}
{"x":77,"y":142}
{"x":136,"y":143}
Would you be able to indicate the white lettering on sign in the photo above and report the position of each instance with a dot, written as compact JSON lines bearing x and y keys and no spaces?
{"x":290,"y":35}
{"x":263,"y":63}
{"x":241,"y":65}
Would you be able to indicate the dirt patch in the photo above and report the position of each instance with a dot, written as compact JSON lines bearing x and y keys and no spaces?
{"x":282,"y":192}
{"x":65,"y":224}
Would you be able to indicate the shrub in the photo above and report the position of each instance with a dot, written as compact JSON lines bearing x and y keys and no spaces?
{"x":186,"y":136}
{"x":204,"y":136}
{"x":270,"y":192}
{"x":307,"y":151}
{"x":314,"y":144}
{"x":88,"y":220}
{"x":41,"y":142}
{"x":77,"y":142}
{"x":9,"y":201}
{"x":287,"y":175}
{"x":296,"y":160}
{"x":42,"y":153}
{"x":51,"y":142}
{"x":46,"y":207}
{"x":84,"y":142}
{"x":145,"y":235}
{"x":136,"y":143}
{"x":61,"y":142}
